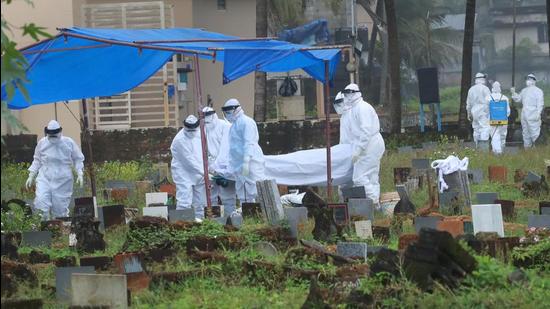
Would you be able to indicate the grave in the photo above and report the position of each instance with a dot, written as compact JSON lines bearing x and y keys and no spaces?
{"x":156,"y":211}
{"x":487,"y":218}
{"x":156,"y":198}
{"x":363,"y":229}
{"x":354,"y":250}
{"x":458,"y":181}
{"x":63,"y":281}
{"x":36,"y":239}
{"x":425,"y":222}
{"x":486,"y":197}
{"x":420,"y":164}
{"x":507,"y":207}
{"x":84,"y":207}
{"x":353,"y":192}
{"x":468,"y":227}
{"x":532,"y":177}
{"x":404,"y":205}
{"x":544,"y":208}
{"x":251,"y":210}
{"x":131,"y":265}
{"x":538,"y":221}
{"x":297,"y":220}
{"x":340,"y":213}
{"x":449,"y":202}
{"x":401,"y":175}
{"x":235,"y":220}
{"x":361,"y":208}
{"x":270,"y":201}
{"x":110,"y":216}
{"x":475,"y":175}
{"x":405,"y":149}
{"x":99,"y":290}
{"x":187,"y":214}
{"x":98,"y":262}
{"x":85,"y":231}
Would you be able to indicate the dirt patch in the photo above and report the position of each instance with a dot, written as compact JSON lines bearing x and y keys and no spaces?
{"x":149,"y":222}
{"x":184,"y":225}
{"x":35,"y":257}
{"x":351,"y":273}
{"x":272,"y":234}
{"x":207,"y":256}
{"x":65,"y":261}
{"x":14,"y":272}
{"x":305,"y":254}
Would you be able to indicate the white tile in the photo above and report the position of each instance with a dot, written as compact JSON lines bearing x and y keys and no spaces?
{"x":156,"y":198}
{"x":488,"y":218}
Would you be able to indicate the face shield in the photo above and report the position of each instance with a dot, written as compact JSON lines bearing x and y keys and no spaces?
{"x":53,"y":135}
{"x":230,"y":112}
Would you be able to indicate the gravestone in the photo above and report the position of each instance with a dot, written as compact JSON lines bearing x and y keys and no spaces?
{"x":420,"y":164}
{"x":468,"y":227}
{"x":353,"y":192}
{"x":475,"y":175}
{"x":36,"y":239}
{"x":544,"y":208}
{"x":156,"y":198}
{"x":458,"y":181}
{"x":297,"y":219}
{"x":362,"y":208}
{"x":99,"y":290}
{"x":532,"y":177}
{"x":507,"y":207}
{"x":111,"y":216}
{"x":450,"y":201}
{"x":404,"y":205}
{"x":235,"y":219}
{"x":84,"y":207}
{"x":340,"y":213}
{"x":426,"y":222}
{"x":405,"y":149}
{"x":63,"y":281}
{"x":87,"y":235}
{"x":352,"y":249}
{"x":270,"y":201}
{"x":363,"y":229}
{"x":538,"y":221}
{"x":186,"y":214}
{"x":486,"y":197}
{"x":265,"y":248}
{"x":156,"y":211}
{"x":488,"y":218}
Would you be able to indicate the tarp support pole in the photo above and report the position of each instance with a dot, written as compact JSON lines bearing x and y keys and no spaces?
{"x":327,"y":131}
{"x":84,"y":125}
{"x":204,"y":144}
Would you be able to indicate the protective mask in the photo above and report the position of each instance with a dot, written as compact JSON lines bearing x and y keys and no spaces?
{"x":191,"y":133}
{"x":54,"y":138}
{"x":481,"y":81}
{"x":210,"y":122}
{"x":339,"y":108}
{"x":529,"y":82}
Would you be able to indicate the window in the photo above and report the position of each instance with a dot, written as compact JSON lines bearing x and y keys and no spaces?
{"x":221,"y":4}
{"x":542,"y":33}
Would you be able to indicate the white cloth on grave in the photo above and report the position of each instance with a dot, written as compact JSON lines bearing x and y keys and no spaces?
{"x":305,"y":167}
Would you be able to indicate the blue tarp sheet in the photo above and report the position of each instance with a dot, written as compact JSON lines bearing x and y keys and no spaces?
{"x":311,"y":33}
{"x":104,"y":70}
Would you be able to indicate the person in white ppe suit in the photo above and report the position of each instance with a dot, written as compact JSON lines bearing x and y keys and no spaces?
{"x":498,"y":132}
{"x":217,"y":135}
{"x":361,"y":129}
{"x":532,"y":99}
{"x":54,"y":157}
{"x":246,"y":158}
{"x":187,"y":167}
{"x":478,"y":111}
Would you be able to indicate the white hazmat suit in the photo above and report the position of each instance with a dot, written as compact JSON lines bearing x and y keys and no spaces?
{"x":246,"y":158}
{"x":54,"y":157}
{"x":187,"y":167}
{"x":532,"y":99}
{"x":217,"y":134}
{"x":361,"y":129}
{"x":498,"y":132}
{"x":478,"y":109}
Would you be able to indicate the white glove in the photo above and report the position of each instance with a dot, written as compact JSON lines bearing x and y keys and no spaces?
{"x":30,"y":180}
{"x":356,"y":156}
{"x":80,"y":179}
{"x":513,"y":90}
{"x":246,"y":167}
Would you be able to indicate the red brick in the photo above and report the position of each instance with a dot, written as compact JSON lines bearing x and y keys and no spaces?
{"x":454,"y":227}
{"x":405,"y":240}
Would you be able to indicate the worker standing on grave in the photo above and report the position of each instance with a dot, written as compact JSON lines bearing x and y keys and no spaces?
{"x":362,"y":130}
{"x":478,"y":111}
{"x":217,"y":133}
{"x":187,"y":167}
{"x":532,"y":99}
{"x":246,"y":159}
{"x":498,"y":131}
{"x":54,"y":157}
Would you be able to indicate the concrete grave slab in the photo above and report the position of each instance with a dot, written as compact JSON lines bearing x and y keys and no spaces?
{"x":488,"y":218}
{"x":420,"y":164}
{"x":156,"y":211}
{"x":353,"y":192}
{"x":352,"y":249}
{"x":297,"y":219}
{"x":538,"y":221}
{"x":156,"y":198}
{"x":425,"y":222}
{"x":111,"y":216}
{"x":363,"y":229}
{"x":99,"y":290}
{"x":361,"y":207}
{"x":544,"y":208}
{"x":405,"y":149}
{"x":36,"y":239}
{"x":486,"y":197}
{"x":187,"y":214}
{"x":63,"y":281}
{"x":532,"y":177}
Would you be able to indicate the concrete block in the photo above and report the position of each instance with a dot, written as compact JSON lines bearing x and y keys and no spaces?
{"x":488,"y":218}
{"x":99,"y":290}
{"x":111,"y":216}
{"x":187,"y":214}
{"x":156,"y":198}
{"x":270,"y":201}
{"x":363,"y":229}
{"x":363,"y":208}
{"x":475,"y":175}
{"x":63,"y":281}
{"x":36,"y":239}
{"x":352,"y":250}
{"x":538,"y":221}
{"x":486,"y":197}
{"x":297,"y":219}
{"x":156,"y":211}
{"x":425,"y":222}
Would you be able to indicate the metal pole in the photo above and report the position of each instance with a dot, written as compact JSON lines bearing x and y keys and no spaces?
{"x":204,"y":144}
{"x":55,"y":111}
{"x":327,"y":131}
{"x":85,"y":128}
{"x":514,"y":44}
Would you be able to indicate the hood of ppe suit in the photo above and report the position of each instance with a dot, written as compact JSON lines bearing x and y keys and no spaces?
{"x":232,"y":110}
{"x":532,"y":76}
{"x":496,"y":88}
{"x":339,"y":105}
{"x":353,"y":96}
{"x":480,"y":81}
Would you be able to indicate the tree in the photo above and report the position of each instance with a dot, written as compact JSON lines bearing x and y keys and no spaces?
{"x":467,"y":46}
{"x":394,"y":62}
{"x":260,"y":78}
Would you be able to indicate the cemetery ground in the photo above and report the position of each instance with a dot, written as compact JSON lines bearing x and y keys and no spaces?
{"x":209,"y":265}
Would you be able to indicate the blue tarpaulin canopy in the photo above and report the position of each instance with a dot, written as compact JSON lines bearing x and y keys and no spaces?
{"x":83,"y":63}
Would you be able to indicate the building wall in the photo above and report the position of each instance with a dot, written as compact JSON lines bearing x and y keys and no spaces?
{"x":238,"y":19}
{"x":503,"y":37}
{"x":17,"y":14}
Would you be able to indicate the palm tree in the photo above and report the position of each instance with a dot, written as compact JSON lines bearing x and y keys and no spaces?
{"x":394,"y":61}
{"x":260,"y":80}
{"x":467,"y":46}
